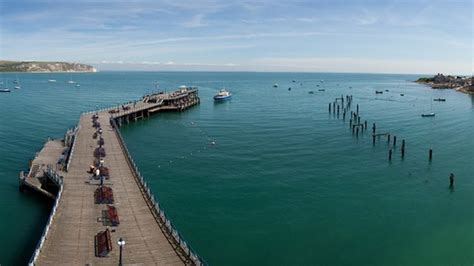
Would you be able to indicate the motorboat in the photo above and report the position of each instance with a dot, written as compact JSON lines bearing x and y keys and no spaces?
{"x":223,"y":95}
{"x":275,"y":85}
{"x":5,"y":90}
{"x":439,"y":100}
{"x":428,"y":115}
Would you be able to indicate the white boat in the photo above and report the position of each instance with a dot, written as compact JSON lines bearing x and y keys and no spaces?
{"x":70,"y":82}
{"x":51,"y":80}
{"x":223,"y":95}
{"x":5,"y":90}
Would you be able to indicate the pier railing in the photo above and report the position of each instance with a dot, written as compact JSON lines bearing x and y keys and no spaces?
{"x":71,"y":153}
{"x":39,"y":246}
{"x":159,"y":213}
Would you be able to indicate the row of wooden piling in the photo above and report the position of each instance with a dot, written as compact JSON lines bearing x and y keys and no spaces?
{"x":355,"y":124}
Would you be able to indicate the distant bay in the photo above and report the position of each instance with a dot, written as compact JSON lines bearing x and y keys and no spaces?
{"x":285,"y":182}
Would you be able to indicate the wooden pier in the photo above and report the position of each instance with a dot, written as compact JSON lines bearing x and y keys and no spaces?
{"x":82,"y":232}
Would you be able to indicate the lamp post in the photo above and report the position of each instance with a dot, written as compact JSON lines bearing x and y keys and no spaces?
{"x":121,"y":243}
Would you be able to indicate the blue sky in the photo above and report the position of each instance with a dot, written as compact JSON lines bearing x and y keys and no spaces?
{"x":322,"y":36}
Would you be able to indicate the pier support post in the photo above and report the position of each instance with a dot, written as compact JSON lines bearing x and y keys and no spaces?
{"x":431,"y":154}
{"x":373,"y":128}
{"x":403,"y":148}
{"x":390,"y":155}
{"x":329,"y":107}
{"x":350,"y":123}
{"x":388,"y":138}
{"x":357,"y":109}
{"x":365,"y":124}
{"x":373,"y":140}
{"x":394,"y":141}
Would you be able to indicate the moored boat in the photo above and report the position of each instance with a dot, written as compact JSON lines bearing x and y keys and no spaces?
{"x":223,"y":95}
{"x":275,"y":85}
{"x":439,"y":100}
{"x":428,"y":115}
{"x":5,"y":90}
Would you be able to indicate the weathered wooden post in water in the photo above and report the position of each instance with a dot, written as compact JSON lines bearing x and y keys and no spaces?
{"x":388,"y":137}
{"x":390,"y":155}
{"x":403,"y":148}
{"x":373,"y":128}
{"x":350,"y":123}
{"x":365,"y":124}
{"x":431,"y":154}
{"x":394,"y":141}
{"x":373,"y":140}
{"x":329,"y":107}
{"x":357,"y":109}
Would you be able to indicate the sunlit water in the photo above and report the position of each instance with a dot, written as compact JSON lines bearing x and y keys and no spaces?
{"x":286,"y":183}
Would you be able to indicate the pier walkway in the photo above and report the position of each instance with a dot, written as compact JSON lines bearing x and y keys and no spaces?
{"x":76,"y":220}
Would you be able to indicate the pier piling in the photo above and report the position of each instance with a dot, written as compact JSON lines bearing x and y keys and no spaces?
{"x":431,"y":154}
{"x":403,"y":148}
{"x":394,"y":141}
{"x":390,"y":155}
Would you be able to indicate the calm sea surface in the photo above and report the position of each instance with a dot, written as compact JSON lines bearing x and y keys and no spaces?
{"x":286,"y":183}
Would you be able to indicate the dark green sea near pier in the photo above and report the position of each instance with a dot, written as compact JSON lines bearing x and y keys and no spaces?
{"x":270,"y":177}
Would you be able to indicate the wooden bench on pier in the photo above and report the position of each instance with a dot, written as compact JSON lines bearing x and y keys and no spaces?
{"x":103,"y":243}
{"x":111,"y":216}
{"x":104,"y":195}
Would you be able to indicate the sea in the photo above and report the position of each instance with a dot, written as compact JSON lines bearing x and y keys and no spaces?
{"x":270,"y":177}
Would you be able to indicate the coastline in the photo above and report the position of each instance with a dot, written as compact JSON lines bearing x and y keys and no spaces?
{"x":463,"y":89}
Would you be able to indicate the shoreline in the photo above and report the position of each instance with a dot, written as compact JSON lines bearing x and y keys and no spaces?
{"x":447,"y":86}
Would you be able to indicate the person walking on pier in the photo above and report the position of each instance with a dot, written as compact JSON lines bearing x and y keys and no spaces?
{"x":451,"y":180}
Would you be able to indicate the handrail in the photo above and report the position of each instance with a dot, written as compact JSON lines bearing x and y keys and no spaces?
{"x":72,"y":148}
{"x":39,"y":246}
{"x":159,"y":213}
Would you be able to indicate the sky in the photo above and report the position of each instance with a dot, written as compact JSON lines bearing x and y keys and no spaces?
{"x":375,"y":36}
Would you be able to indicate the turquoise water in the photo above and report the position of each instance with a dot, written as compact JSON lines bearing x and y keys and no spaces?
{"x":286,"y":183}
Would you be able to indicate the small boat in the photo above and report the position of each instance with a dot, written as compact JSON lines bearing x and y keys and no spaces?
{"x":401,"y":94}
{"x":275,"y":85}
{"x":293,"y":81}
{"x":51,"y":80}
{"x":5,"y":90}
{"x":387,"y":90}
{"x":378,"y":92}
{"x":223,"y":95}
{"x":311,"y":92}
{"x":321,"y":90}
{"x":439,"y":100}
{"x":289,"y":88}
{"x":17,"y":87}
{"x":70,"y":82}
{"x":78,"y":85}
{"x":428,"y":115}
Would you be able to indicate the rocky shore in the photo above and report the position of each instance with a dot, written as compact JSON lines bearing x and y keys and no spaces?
{"x":39,"y":66}
{"x":440,"y":81}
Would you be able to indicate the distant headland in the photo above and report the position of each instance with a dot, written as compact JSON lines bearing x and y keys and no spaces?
{"x":440,"y":81}
{"x":40,"y":66}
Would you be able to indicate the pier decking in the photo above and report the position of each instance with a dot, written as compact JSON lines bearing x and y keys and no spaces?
{"x":77,"y":219}
{"x":47,"y":157}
